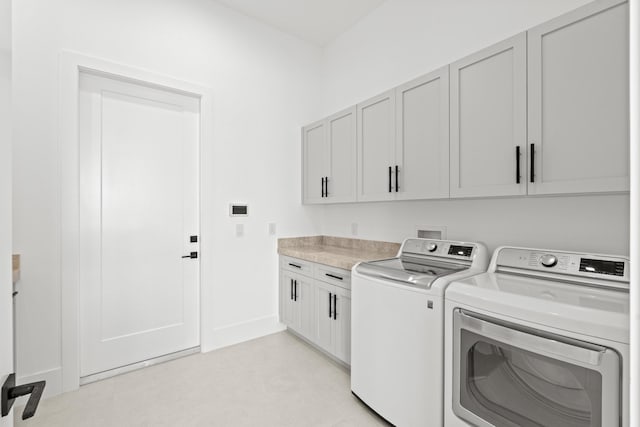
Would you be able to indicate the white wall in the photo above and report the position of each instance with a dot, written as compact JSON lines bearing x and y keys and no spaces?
{"x":6,"y":313}
{"x":403,"y":39}
{"x":263,"y":82}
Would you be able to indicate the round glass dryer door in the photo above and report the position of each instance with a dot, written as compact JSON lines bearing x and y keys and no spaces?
{"x":511,"y":377}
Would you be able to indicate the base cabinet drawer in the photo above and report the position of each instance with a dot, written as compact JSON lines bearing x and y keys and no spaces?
{"x":297,"y":266}
{"x":319,"y":309}
{"x":333,"y":275}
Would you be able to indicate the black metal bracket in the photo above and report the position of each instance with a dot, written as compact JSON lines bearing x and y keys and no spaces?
{"x":10,"y":392}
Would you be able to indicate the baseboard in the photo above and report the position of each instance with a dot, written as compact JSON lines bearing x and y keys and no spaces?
{"x":241,"y":332}
{"x":53,"y":377}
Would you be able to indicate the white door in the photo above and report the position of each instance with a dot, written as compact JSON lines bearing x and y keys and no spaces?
{"x":422,"y":137}
{"x":341,"y":176}
{"x":6,"y":288}
{"x":489,"y":121}
{"x":376,"y":135}
{"x":579,"y":100}
{"x":315,"y":160}
{"x":138,"y":208}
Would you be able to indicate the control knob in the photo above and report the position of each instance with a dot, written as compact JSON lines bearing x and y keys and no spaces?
{"x":431,"y":247}
{"x":549,"y":260}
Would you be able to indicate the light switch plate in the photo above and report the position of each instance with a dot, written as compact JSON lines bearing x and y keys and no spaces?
{"x":239,"y":230}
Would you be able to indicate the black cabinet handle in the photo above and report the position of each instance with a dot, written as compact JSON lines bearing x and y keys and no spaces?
{"x":330,"y":305}
{"x":291,"y":288}
{"x":295,"y":265}
{"x":532,"y":171}
{"x":332,"y":276}
{"x":321,"y":187}
{"x":326,"y":186}
{"x":389,"y":179}
{"x":517,"y":164}
{"x":295,"y":290}
{"x":335,"y":306}
{"x":10,"y":392}
{"x":397,"y":186}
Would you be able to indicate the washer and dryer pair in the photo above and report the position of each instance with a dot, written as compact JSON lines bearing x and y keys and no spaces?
{"x":541,"y":338}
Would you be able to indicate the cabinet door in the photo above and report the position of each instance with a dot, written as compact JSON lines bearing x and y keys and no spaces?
{"x":324,"y":336}
{"x":315,"y":158}
{"x":304,"y":300}
{"x":376,"y":134}
{"x":289,"y":311}
{"x":488,"y":121}
{"x":422,"y":137}
{"x":341,"y":176}
{"x":579,"y":100}
{"x":342,"y":325}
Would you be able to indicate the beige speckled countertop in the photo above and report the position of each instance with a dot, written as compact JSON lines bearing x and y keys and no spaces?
{"x":337,"y":252}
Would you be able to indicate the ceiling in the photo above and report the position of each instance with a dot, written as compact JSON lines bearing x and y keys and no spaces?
{"x":316,"y":21}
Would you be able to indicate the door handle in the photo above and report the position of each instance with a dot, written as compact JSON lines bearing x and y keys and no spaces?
{"x":517,"y":164}
{"x":397,"y":186}
{"x":532,"y":154}
{"x":10,"y":392}
{"x":191,"y":255}
{"x":335,"y":306}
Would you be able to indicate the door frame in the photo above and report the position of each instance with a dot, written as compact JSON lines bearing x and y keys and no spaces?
{"x":70,"y":66}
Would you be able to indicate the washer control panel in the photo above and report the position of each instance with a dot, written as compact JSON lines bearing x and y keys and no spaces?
{"x":583,"y":265}
{"x":441,"y":248}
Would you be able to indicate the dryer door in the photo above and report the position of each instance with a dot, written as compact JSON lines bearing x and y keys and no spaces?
{"x":509,"y":375}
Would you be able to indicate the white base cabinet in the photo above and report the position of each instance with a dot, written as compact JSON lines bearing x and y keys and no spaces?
{"x":315,"y":302}
{"x":298,"y":304}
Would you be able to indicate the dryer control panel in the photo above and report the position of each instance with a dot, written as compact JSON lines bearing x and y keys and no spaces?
{"x":583,"y":266}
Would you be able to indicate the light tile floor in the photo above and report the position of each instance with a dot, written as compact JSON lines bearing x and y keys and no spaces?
{"x":276,"y":380}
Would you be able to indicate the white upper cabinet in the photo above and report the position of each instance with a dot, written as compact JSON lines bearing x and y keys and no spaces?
{"x":488,"y":121}
{"x":376,"y":145}
{"x":329,"y":159}
{"x":315,"y":153}
{"x":543,"y":112}
{"x":341,"y":175}
{"x":422,"y":137}
{"x":579,"y":101}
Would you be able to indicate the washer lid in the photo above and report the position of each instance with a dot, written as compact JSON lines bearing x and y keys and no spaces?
{"x":411,"y":270}
{"x":587,"y":310}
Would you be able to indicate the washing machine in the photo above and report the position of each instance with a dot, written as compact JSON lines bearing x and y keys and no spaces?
{"x":540,"y":339}
{"x":397,"y":327}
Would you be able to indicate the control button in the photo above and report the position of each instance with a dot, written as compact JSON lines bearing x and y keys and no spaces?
{"x":549,"y":260}
{"x":431,"y":247}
